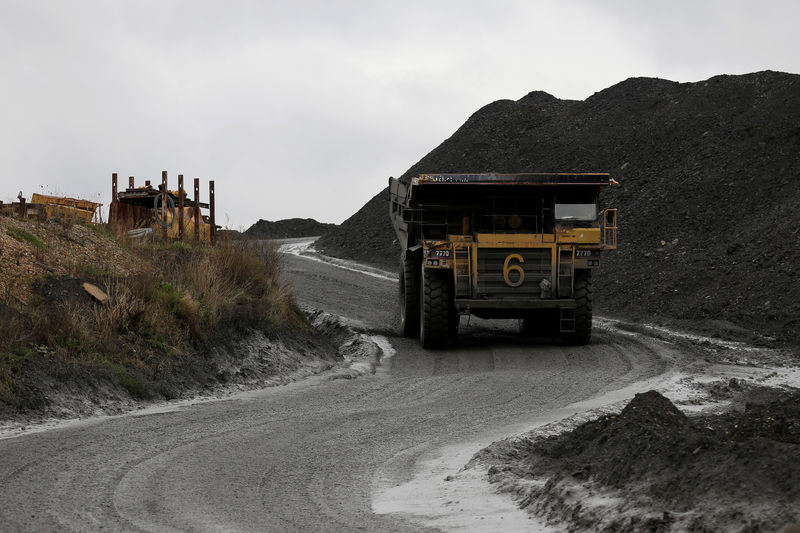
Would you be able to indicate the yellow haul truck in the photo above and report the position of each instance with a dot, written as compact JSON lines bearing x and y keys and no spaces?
{"x":499,"y":246}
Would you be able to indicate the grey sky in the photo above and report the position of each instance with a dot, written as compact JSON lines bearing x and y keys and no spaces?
{"x":304,"y":108}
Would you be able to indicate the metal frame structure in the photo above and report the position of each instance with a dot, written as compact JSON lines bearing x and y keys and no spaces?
{"x":166,"y":212}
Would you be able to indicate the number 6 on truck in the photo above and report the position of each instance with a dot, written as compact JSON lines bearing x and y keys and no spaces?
{"x":507,"y":269}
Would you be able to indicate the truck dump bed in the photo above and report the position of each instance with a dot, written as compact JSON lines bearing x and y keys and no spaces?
{"x":436,"y":198}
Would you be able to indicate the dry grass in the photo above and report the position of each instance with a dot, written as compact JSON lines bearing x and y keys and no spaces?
{"x":181,"y":296}
{"x":12,"y":333}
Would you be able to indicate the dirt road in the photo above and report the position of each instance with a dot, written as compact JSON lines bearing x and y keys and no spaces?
{"x":312,"y":455}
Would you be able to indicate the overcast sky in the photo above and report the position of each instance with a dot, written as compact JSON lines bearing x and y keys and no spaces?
{"x":304,"y":108}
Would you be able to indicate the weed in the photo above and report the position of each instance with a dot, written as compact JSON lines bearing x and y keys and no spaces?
{"x":9,"y":366}
{"x":7,"y":393}
{"x":160,"y":344}
{"x":90,"y":271}
{"x":102,"y":229}
{"x":185,"y":246}
{"x":134,"y":386}
{"x":10,"y":359}
{"x":172,"y":297}
{"x":25,"y":236}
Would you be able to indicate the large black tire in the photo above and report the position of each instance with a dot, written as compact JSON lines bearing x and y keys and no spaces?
{"x":583,"y":309}
{"x":409,"y":295}
{"x":436,"y":304}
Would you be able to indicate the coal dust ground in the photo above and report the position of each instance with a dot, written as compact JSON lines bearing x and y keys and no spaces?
{"x":723,"y":454}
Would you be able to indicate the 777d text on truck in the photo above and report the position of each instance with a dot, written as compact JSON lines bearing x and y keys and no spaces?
{"x":499,"y":246}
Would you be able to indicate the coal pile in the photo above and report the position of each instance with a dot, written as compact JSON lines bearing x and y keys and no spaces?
{"x":710,"y":185}
{"x":713,"y":465}
{"x":288,"y":228}
{"x":367,"y":236}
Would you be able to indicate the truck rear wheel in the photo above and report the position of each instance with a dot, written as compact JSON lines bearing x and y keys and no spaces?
{"x":436,"y":303}
{"x":583,"y":309}
{"x":409,"y":296}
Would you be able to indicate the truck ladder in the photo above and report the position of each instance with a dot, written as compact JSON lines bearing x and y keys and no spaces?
{"x":567,"y":320}
{"x":566,"y":287}
{"x":462,"y":266}
{"x":609,"y":229}
{"x":566,"y":271}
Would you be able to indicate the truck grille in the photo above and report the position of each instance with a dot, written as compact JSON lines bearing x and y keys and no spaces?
{"x":491,"y":283}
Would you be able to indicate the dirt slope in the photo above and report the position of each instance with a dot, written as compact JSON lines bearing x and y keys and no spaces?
{"x":179,"y":319}
{"x":708,"y":218}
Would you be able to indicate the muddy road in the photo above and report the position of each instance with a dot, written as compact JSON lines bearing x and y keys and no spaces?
{"x":316,"y":455}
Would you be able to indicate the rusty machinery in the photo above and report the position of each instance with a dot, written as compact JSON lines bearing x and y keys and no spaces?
{"x":169,"y":213}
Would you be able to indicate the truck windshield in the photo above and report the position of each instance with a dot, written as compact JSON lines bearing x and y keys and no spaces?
{"x":583,"y":212}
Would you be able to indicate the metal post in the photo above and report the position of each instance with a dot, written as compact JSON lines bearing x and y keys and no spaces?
{"x":197,"y":208}
{"x":213,"y":235}
{"x":112,"y":208}
{"x":164,"y":202}
{"x":180,"y":207}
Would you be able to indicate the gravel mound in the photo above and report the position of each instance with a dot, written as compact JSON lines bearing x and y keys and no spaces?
{"x":731,"y":472}
{"x":708,"y":197}
{"x":288,"y":228}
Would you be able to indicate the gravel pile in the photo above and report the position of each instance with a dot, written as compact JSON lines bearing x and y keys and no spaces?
{"x":708,"y":198}
{"x":729,"y":472}
{"x":32,"y":249}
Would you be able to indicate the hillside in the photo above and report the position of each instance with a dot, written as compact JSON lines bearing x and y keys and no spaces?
{"x":288,"y":228}
{"x":709,"y":189}
{"x":180,"y":318}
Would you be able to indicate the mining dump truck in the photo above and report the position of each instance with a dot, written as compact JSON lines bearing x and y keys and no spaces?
{"x":499,"y":246}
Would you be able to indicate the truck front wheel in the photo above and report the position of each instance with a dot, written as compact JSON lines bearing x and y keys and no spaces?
{"x":409,"y":296}
{"x":436,"y":302}
{"x":583,"y":309}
